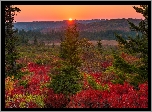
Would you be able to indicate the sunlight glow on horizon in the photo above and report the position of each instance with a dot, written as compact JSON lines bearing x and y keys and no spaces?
{"x":70,"y":19}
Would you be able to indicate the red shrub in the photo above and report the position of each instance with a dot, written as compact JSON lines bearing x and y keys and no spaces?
{"x":87,"y":99}
{"x":119,"y":96}
{"x":55,"y":100}
{"x":34,"y":85}
{"x":32,"y":105}
{"x":106,"y":64}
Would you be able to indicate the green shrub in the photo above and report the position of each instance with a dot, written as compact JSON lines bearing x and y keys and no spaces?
{"x":95,"y":85}
{"x":120,"y":77}
{"x":39,"y":61}
{"x":68,"y":81}
{"x":23,"y":83}
{"x":100,"y":47}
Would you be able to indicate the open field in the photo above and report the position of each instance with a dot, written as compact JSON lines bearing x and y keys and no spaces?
{"x":33,"y":89}
{"x":40,"y":64}
{"x":104,"y":42}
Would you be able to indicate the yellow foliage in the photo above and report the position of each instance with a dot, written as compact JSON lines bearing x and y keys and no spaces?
{"x":9,"y":83}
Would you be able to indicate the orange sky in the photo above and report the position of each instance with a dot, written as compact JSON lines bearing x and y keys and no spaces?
{"x":79,"y":12}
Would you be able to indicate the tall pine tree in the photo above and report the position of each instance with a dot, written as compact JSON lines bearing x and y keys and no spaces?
{"x":135,"y":46}
{"x":11,"y":54}
{"x":70,"y":48}
{"x":69,"y":80}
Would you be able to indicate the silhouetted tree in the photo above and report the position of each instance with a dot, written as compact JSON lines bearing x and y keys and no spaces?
{"x":11,"y":55}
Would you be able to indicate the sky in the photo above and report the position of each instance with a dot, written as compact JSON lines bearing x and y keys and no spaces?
{"x":31,"y":13}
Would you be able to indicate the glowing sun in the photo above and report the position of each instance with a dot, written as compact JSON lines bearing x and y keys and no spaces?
{"x":70,"y":19}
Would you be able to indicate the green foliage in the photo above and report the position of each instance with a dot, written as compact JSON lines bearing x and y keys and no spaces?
{"x":122,"y":65}
{"x":18,"y":75}
{"x":24,"y":83}
{"x":11,"y":55}
{"x":136,"y":46}
{"x":53,"y":45}
{"x":95,"y":85}
{"x":23,"y":39}
{"x":119,"y":76}
{"x":28,"y":98}
{"x":123,"y":71}
{"x":35,"y":40}
{"x":70,"y":47}
{"x":39,"y":61}
{"x":126,"y":72}
{"x":99,"y":45}
{"x":37,"y":99}
{"x":68,"y":81}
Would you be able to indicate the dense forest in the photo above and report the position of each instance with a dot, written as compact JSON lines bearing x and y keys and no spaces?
{"x":53,"y":31}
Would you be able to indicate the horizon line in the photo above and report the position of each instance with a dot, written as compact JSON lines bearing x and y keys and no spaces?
{"x":74,"y":20}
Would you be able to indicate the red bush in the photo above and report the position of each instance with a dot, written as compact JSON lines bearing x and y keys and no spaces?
{"x":34,"y":82}
{"x":106,"y":64}
{"x":87,"y":99}
{"x":119,"y":96}
{"x":55,"y":100}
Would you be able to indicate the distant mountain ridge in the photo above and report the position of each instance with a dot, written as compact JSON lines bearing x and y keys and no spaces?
{"x":89,"y":29}
{"x":94,"y":25}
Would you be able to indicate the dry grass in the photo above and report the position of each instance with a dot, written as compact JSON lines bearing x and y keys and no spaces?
{"x":104,"y":42}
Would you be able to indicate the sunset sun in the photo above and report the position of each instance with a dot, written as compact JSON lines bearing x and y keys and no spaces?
{"x":70,"y":19}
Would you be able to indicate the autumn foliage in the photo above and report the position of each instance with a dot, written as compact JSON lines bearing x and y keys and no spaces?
{"x":38,"y":95}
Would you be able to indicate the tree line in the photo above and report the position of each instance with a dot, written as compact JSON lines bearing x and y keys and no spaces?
{"x":26,"y":36}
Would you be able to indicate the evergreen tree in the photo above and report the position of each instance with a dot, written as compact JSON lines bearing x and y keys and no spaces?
{"x":53,"y":45}
{"x":35,"y":40}
{"x":70,"y":47}
{"x":68,"y":80}
{"x":135,"y":46}
{"x":99,"y":45}
{"x":11,"y":54}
